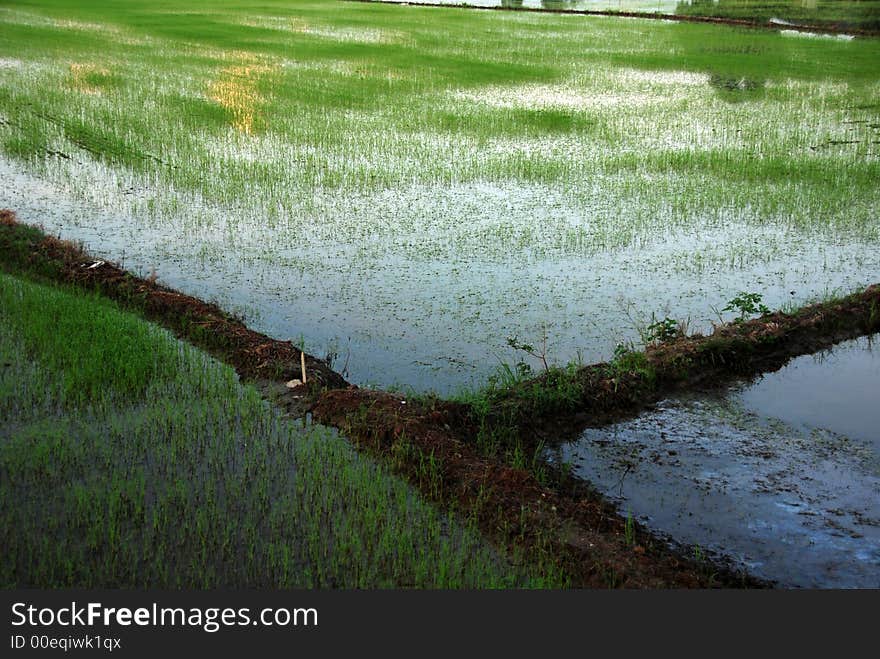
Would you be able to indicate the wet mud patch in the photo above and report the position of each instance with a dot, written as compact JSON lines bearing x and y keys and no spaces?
{"x":798,"y":507}
{"x":572,"y":524}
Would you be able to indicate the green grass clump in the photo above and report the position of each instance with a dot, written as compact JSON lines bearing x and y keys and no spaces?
{"x":128,"y":459}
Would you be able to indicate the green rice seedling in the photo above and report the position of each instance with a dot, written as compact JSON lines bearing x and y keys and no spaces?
{"x":747,"y":304}
{"x":160,"y":469}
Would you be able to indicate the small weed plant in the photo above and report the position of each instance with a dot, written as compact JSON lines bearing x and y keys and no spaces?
{"x":747,"y":304}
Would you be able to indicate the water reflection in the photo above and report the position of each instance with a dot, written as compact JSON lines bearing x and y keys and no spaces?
{"x":838,"y":389}
{"x":782,"y":475}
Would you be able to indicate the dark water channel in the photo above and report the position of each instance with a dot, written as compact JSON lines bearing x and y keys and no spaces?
{"x":781,"y":475}
{"x":837,"y":389}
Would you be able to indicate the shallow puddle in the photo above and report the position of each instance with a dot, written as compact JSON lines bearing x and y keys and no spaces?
{"x":837,"y":389}
{"x":782,"y":476}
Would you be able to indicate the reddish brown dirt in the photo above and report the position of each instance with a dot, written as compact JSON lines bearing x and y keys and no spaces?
{"x":254,"y":355}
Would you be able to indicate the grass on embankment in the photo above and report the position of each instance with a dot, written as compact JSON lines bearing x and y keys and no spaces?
{"x":519,"y":405}
{"x":128,"y":459}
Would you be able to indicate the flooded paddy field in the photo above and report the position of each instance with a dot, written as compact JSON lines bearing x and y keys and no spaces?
{"x":407,"y":189}
{"x":781,"y":475}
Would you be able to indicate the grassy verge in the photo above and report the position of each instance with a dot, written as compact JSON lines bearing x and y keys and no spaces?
{"x":128,"y":459}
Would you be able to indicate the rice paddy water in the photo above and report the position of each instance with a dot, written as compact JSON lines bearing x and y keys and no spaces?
{"x":463,"y":176}
{"x":782,"y":475}
{"x":408,"y":187}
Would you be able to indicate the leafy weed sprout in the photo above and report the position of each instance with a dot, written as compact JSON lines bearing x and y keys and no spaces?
{"x":747,"y":304}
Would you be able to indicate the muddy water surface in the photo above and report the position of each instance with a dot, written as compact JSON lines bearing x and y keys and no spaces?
{"x":781,"y":475}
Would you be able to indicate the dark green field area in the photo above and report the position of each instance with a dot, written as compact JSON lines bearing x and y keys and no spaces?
{"x":858,"y":14}
{"x":128,"y":459}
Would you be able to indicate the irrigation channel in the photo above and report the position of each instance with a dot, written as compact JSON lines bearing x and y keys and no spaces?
{"x":781,"y":474}
{"x":779,"y":477}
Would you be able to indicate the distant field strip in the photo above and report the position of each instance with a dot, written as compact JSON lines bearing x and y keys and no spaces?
{"x":832,"y":15}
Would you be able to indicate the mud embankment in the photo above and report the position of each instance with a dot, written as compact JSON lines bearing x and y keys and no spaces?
{"x":27,"y":250}
{"x":440,"y":446}
{"x":562,"y":402}
{"x":831,"y":28}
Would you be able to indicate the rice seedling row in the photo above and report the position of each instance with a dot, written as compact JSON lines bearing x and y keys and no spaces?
{"x":129,"y":459}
